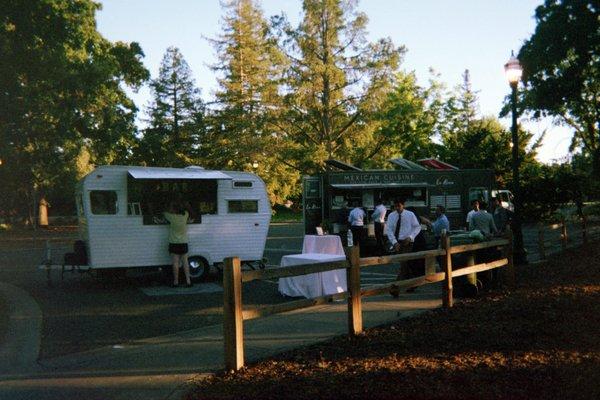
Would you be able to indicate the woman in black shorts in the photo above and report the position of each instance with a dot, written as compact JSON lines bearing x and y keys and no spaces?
{"x":178,"y":241}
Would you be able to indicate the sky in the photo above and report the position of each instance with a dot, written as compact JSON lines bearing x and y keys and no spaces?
{"x":446,"y":35}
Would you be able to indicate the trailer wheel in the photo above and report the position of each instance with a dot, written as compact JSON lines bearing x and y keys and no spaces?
{"x":199,"y":268}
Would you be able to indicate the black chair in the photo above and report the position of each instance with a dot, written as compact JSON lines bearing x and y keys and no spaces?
{"x":75,"y":259}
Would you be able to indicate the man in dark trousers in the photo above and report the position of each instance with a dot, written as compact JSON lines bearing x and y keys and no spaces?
{"x":402,"y":228}
{"x":378,"y":217}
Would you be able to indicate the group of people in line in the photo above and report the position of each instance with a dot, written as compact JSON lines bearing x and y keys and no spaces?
{"x":403,"y":226}
{"x":404,"y":233}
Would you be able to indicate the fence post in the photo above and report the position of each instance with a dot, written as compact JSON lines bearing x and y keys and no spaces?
{"x":510,"y":267}
{"x":563,"y":234}
{"x":233,"y":323}
{"x":429,"y":265}
{"x":447,"y":299}
{"x":541,"y":244}
{"x":355,"y":325}
{"x":48,"y":263}
{"x":584,"y":228}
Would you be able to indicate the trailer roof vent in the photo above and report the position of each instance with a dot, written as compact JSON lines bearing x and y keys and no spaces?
{"x":402,"y":163}
{"x":434,"y":163}
{"x":341,"y":165}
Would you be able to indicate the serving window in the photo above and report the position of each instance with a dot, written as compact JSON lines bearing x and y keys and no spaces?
{"x":415,"y":196}
{"x":151,"y":197}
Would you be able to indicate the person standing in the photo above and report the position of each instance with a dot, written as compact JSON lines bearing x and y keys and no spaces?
{"x":502,"y":216}
{"x":378,"y":217}
{"x":483,"y":222}
{"x":440,"y":224}
{"x":356,"y":219}
{"x":402,"y":228}
{"x":177,"y":216}
{"x":475,"y":208}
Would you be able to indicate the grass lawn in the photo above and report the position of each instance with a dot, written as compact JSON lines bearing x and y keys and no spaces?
{"x":284,"y":214}
{"x":540,"y":340}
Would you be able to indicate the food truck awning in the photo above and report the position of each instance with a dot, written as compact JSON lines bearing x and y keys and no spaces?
{"x":191,"y":173}
{"x":378,"y":185}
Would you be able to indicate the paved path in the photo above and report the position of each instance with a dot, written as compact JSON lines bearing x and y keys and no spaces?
{"x":22,"y":342}
{"x":162,"y":367}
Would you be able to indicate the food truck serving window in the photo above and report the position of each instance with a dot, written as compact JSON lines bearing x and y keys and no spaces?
{"x":242,"y":206}
{"x":154,"y":196}
{"x":103,"y":202}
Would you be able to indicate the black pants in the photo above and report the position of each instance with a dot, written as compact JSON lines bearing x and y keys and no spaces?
{"x":379,"y":237}
{"x":359,"y":234}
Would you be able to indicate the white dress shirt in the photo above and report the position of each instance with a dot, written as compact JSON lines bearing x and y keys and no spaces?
{"x":379,"y":213}
{"x":470,"y":215}
{"x":357,"y":217}
{"x":409,"y":228}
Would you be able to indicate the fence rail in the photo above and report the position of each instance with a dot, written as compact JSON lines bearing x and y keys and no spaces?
{"x":233,"y":279}
{"x":565,"y":235}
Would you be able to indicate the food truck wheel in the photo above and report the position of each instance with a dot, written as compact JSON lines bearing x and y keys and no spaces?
{"x":199,"y":268}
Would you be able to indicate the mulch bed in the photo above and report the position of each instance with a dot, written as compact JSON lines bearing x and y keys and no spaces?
{"x":540,"y":340}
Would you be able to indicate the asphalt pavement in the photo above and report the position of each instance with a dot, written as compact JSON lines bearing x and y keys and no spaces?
{"x":132,"y":337}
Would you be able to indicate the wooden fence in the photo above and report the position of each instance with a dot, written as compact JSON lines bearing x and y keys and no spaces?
{"x":564,"y":237}
{"x":233,"y":278}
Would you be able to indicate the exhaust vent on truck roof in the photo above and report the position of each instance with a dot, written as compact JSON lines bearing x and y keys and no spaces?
{"x":341,"y":165}
{"x":402,"y":163}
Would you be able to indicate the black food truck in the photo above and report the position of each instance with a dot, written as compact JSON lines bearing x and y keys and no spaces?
{"x":328,"y":197}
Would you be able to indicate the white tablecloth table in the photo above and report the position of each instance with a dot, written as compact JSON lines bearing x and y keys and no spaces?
{"x":325,"y":244}
{"x":312,"y":285}
{"x":315,"y":249}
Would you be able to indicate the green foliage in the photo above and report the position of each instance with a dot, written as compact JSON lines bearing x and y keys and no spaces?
{"x":60,"y":92}
{"x":335,"y":81}
{"x":243,"y":124}
{"x":176,"y":116}
{"x":284,"y":214}
{"x":546,"y":188}
{"x":406,"y":121}
{"x":472,"y":142}
{"x":561,"y":64}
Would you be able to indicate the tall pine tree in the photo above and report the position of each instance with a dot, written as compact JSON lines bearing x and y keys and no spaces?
{"x":175,"y":117}
{"x":249,"y":71}
{"x":337,"y":79}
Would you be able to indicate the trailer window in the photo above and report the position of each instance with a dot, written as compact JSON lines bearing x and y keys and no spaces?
{"x":242,"y":184}
{"x":103,"y":202}
{"x":242,"y":206}
{"x":154,"y":196}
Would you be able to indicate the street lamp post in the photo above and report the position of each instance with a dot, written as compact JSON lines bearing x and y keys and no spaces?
{"x":513,"y":72}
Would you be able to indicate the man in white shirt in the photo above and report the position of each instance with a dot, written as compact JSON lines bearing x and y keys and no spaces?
{"x":356,"y":219}
{"x":475,"y":205}
{"x":378,"y":217}
{"x":402,"y":228}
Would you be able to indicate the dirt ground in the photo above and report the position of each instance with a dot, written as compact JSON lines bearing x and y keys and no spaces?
{"x":539,"y":340}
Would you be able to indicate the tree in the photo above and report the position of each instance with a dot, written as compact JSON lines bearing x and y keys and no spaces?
{"x":61,"y":90}
{"x":250,"y":66}
{"x":336,"y":80}
{"x":561,"y":63}
{"x":175,"y":116}
{"x":461,"y":110}
{"x":408,"y":120}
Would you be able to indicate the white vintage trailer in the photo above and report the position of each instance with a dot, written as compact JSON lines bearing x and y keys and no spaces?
{"x":118,"y":208}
